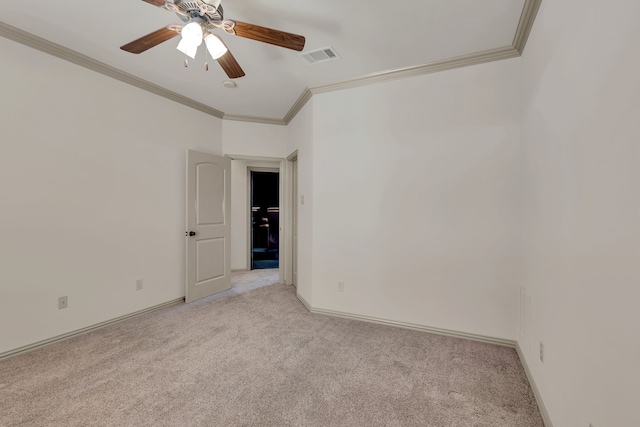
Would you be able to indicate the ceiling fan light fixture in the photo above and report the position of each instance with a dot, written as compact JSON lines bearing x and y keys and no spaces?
{"x":215,"y":46}
{"x":192,"y":33}
{"x":188,"y":49}
{"x":201,"y":17}
{"x":191,"y":39}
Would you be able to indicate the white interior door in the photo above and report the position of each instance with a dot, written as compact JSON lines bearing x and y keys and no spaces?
{"x":208,"y":252}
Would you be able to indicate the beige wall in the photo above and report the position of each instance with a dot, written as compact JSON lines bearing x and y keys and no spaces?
{"x":416,"y":190}
{"x":436,"y":199}
{"x":92,"y":178}
{"x":254,"y":139}
{"x":300,"y":139}
{"x":581,"y":211}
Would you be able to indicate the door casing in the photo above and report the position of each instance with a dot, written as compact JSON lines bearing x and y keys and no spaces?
{"x":281,"y":166}
{"x":249,"y":203}
{"x":291,"y":221}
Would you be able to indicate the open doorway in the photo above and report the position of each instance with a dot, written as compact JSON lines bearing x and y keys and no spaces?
{"x":265,"y":219}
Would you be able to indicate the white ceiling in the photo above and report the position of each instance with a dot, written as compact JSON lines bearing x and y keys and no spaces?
{"x":371,"y":36}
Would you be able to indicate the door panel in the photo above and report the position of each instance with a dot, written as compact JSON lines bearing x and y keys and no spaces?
{"x":210,"y":180}
{"x":210,"y":260}
{"x":208,"y":255}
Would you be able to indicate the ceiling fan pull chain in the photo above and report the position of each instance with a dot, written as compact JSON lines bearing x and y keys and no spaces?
{"x":186,"y":62}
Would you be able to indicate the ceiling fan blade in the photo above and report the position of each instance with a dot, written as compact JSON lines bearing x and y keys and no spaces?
{"x":268,"y":35}
{"x":230,"y":65}
{"x":150,"y":40}
{"x":155,"y":2}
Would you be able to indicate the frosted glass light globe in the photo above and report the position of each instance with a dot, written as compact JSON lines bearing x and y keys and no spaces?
{"x":192,"y":34}
{"x":215,"y":46}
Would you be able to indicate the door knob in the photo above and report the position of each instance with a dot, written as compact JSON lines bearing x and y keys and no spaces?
{"x":190,"y":233}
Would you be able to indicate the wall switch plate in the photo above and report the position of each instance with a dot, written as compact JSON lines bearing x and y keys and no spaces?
{"x":541,"y":352}
{"x":62,"y":303}
{"x":302,"y":200}
{"x":340,"y":286}
{"x":139,"y":285}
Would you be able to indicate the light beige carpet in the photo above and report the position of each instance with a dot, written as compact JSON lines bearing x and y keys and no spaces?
{"x":254,"y":356}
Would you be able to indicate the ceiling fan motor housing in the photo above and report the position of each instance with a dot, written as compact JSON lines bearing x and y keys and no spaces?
{"x":193,"y":9}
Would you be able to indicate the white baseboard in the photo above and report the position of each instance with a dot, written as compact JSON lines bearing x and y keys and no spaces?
{"x":424,"y":328}
{"x":447,"y":332}
{"x":429,"y":329}
{"x":68,"y":335}
{"x":534,"y":387}
{"x":304,"y":302}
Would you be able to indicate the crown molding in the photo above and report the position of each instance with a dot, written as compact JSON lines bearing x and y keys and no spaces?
{"x":46,"y":46}
{"x":403,"y":73}
{"x":525,"y":25}
{"x":253,"y":119}
{"x":527,"y":19}
{"x":297,"y":106}
{"x":432,"y":67}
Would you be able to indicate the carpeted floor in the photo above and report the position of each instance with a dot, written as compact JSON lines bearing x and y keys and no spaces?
{"x":254,"y":356}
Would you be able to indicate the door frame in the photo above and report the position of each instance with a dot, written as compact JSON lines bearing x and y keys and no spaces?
{"x":283,"y":168}
{"x":288,"y":219}
{"x":249,"y":213}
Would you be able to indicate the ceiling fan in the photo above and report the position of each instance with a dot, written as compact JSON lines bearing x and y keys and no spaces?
{"x":201,"y":18}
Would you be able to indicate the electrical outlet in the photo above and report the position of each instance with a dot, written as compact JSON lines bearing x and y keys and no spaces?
{"x":139,"y":285}
{"x":541,"y":352}
{"x":340,"y":286}
{"x":62,"y":303}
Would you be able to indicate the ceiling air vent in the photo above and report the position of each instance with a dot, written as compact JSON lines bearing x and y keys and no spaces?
{"x":321,"y":55}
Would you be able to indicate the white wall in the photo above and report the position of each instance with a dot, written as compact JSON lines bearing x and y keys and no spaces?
{"x":92,"y":178}
{"x":253,"y":140}
{"x":300,"y":139}
{"x":415,"y":187}
{"x":581,"y":212}
{"x":411,"y":194}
